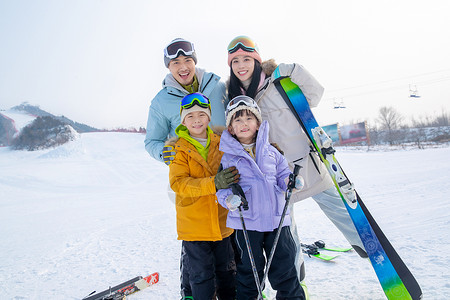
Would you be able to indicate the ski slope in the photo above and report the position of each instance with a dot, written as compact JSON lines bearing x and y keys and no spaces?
{"x":94,"y":213}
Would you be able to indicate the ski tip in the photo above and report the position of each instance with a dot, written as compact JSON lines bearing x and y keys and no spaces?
{"x":152,"y":278}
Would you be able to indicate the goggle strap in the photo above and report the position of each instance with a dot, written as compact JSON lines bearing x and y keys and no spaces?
{"x":241,"y":46}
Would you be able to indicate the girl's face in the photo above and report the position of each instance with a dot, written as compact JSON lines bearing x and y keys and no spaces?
{"x":244,"y":127}
{"x":243,"y":67}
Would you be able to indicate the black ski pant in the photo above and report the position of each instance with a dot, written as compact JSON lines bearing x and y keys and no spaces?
{"x":211,"y":269}
{"x":184,"y":278}
{"x":282,"y":274}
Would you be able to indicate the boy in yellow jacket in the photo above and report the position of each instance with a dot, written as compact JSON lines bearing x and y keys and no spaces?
{"x":201,"y":221}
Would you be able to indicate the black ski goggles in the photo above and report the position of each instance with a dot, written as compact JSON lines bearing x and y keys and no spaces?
{"x":172,"y":50}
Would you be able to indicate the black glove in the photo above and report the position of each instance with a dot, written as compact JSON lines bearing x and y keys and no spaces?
{"x":168,"y":154}
{"x":226,"y":177}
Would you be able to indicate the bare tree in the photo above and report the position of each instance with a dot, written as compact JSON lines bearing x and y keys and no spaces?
{"x":443,"y":119}
{"x":390,"y":120}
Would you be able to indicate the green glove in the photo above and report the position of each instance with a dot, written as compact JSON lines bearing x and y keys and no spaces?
{"x":226,"y":177}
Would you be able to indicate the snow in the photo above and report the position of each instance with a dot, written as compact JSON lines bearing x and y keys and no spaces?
{"x":21,"y":119}
{"x":94,"y":213}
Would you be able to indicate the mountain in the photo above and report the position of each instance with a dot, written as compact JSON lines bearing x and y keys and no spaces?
{"x":36,"y":111}
{"x":13,"y":120}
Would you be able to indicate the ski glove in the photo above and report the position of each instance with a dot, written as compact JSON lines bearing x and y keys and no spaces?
{"x":168,"y":154}
{"x":299,"y":183}
{"x":233,"y":202}
{"x":226,"y":177}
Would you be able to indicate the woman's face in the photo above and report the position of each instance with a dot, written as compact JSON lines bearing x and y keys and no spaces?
{"x":243,"y":67}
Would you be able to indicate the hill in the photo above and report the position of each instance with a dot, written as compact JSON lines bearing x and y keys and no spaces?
{"x":13,"y":120}
{"x":38,"y":112}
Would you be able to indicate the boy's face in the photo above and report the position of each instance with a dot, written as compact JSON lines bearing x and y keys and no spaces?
{"x":182,"y":69}
{"x":197,"y":123}
{"x":244,"y":127}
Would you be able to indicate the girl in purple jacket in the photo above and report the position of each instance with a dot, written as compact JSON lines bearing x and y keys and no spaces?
{"x":264,"y":176}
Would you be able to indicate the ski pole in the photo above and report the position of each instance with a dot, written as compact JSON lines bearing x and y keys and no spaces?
{"x":290,"y":187}
{"x":237,"y":190}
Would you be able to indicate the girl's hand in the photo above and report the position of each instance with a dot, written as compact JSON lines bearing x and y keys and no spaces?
{"x":299,"y":183}
{"x":233,"y":202}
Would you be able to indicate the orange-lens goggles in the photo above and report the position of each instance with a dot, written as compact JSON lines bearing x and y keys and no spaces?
{"x":243,"y":42}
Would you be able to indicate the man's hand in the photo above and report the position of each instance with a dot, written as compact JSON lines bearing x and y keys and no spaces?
{"x":226,"y":177}
{"x":168,"y":154}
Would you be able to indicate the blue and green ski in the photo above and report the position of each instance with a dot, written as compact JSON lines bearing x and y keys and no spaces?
{"x":394,"y":276}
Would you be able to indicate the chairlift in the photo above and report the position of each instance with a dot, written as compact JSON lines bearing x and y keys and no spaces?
{"x":413,"y":92}
{"x":339,"y":103}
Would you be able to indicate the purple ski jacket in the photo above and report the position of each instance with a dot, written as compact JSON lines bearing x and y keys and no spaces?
{"x":262,"y":180}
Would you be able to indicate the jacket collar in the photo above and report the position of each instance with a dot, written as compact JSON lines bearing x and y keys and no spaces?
{"x":188,"y":147}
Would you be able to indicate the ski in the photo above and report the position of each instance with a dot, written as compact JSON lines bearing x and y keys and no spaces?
{"x":321,"y":245}
{"x":313,"y":251}
{"x":126,"y":288}
{"x":394,"y":276}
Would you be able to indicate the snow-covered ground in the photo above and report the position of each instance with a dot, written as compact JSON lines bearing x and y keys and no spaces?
{"x":95,"y":212}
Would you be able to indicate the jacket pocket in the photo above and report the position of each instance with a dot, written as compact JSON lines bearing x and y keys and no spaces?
{"x":280,"y":200}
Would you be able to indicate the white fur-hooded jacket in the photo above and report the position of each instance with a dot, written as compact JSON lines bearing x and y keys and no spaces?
{"x":285,"y":129}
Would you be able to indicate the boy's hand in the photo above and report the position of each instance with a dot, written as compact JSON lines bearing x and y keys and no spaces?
{"x":226,"y":177}
{"x":233,"y":202}
{"x":168,"y":154}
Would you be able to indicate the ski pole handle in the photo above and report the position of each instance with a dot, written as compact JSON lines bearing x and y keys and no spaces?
{"x":292,"y":176}
{"x":237,"y":190}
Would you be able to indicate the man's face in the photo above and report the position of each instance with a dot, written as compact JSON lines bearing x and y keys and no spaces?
{"x":182,"y":69}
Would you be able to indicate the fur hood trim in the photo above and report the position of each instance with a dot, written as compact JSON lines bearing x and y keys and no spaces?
{"x":216,"y":129}
{"x":269,"y":66}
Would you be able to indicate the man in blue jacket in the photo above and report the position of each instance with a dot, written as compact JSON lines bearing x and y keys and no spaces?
{"x":184,"y":78}
{"x":164,"y":113}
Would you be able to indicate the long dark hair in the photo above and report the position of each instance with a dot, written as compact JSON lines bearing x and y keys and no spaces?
{"x":235,"y":85}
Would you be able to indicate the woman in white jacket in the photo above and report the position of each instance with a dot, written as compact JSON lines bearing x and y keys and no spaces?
{"x":252,"y":77}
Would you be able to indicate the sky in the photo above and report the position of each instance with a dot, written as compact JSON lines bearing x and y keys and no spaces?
{"x":100,"y":62}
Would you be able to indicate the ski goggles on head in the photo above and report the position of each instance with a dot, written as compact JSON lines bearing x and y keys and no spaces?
{"x":173,"y":49}
{"x":241,"y":100}
{"x":242,"y":42}
{"x":195,"y":99}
